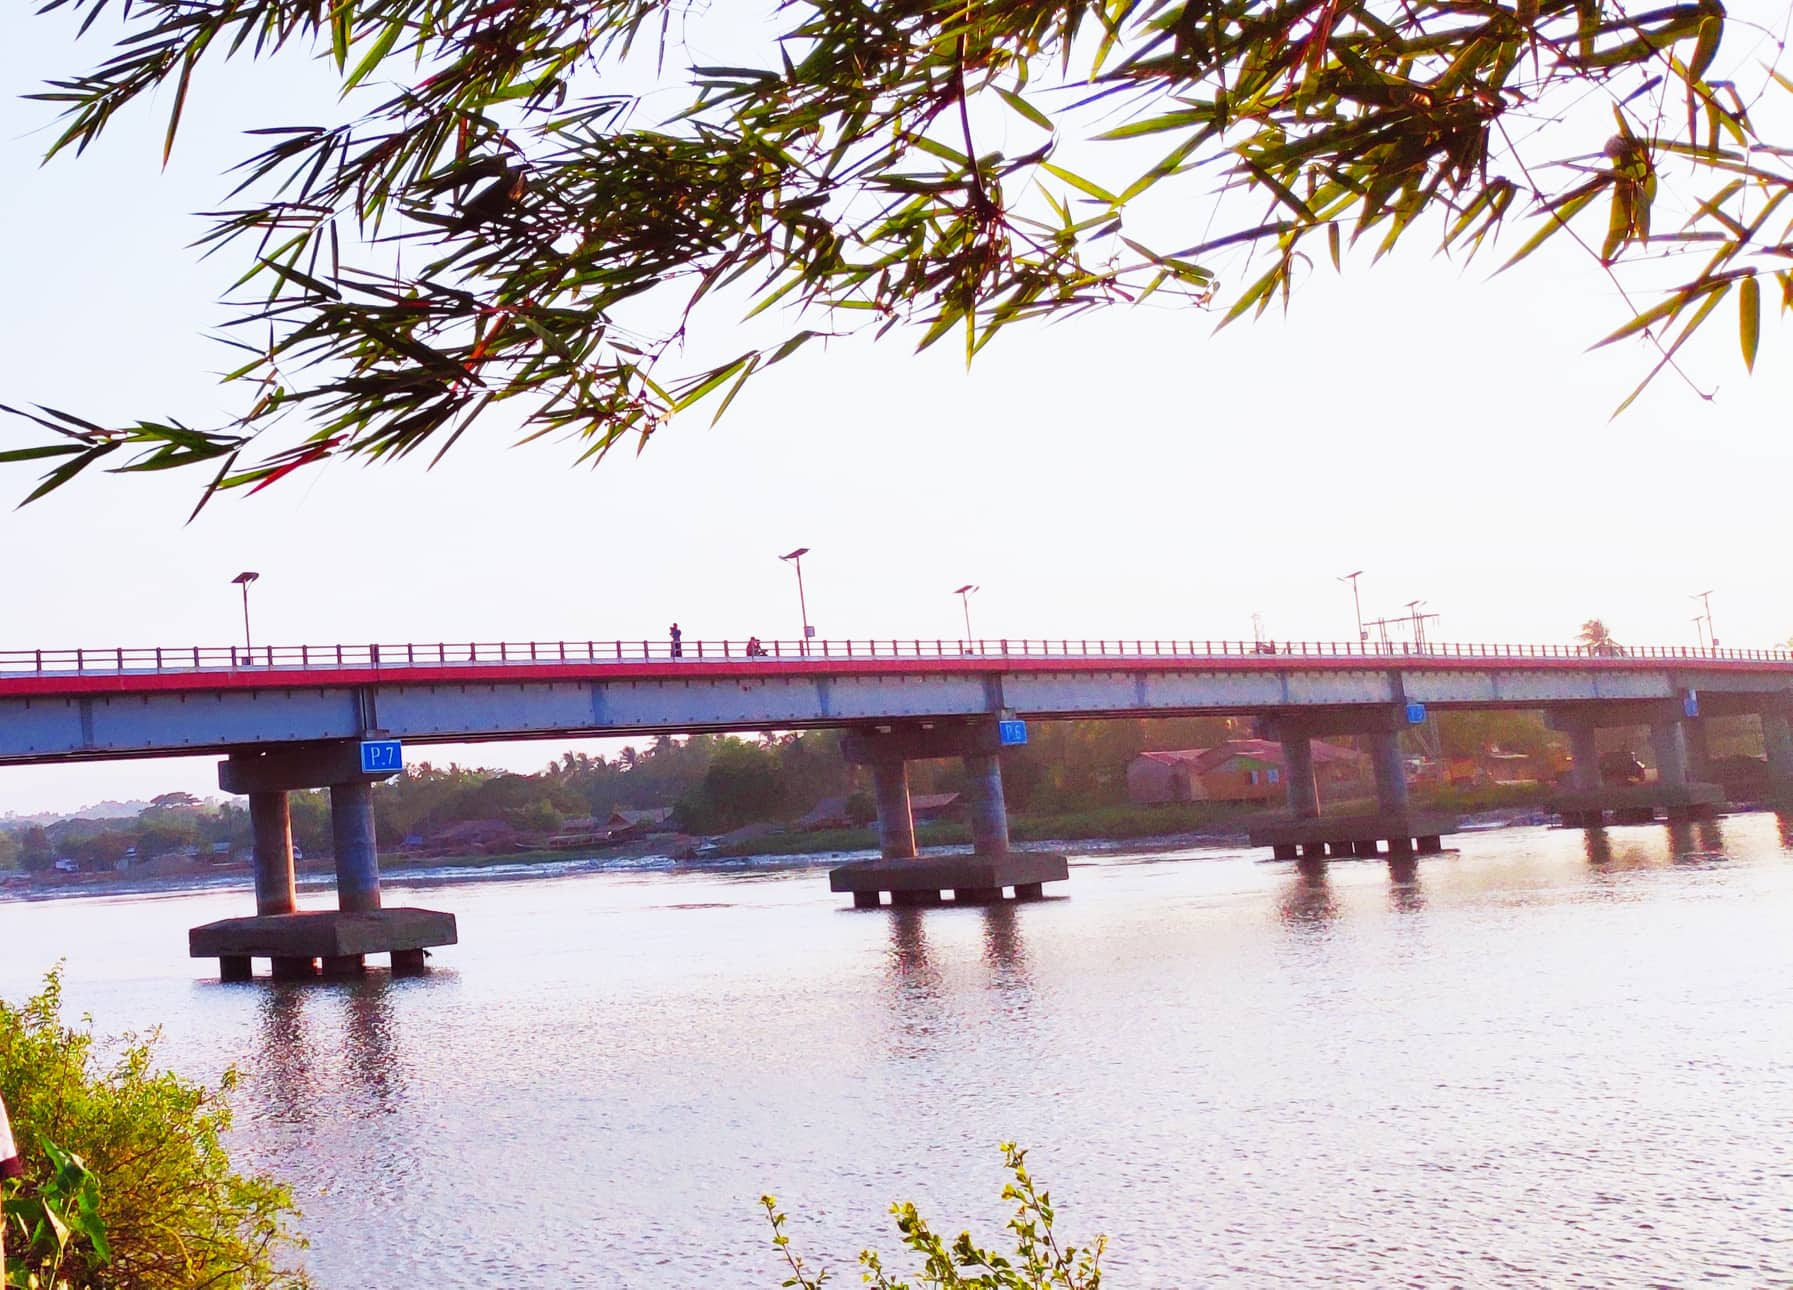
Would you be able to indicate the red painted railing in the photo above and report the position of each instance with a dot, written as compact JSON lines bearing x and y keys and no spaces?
{"x":220,"y":658}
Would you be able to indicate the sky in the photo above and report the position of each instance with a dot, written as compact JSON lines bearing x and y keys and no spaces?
{"x":1128,"y":474}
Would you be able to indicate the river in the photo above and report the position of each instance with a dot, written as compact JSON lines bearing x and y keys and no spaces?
{"x":1546,"y":1060}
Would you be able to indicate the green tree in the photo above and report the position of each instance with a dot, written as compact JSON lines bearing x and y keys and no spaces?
{"x":742,"y":783}
{"x":1597,"y":638}
{"x":174,"y":1213}
{"x":556,"y":244}
{"x":36,"y":853}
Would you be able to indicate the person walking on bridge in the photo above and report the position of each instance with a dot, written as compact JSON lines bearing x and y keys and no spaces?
{"x":678,"y":641}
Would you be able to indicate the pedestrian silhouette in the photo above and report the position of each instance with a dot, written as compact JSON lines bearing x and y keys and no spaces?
{"x":678,"y":641}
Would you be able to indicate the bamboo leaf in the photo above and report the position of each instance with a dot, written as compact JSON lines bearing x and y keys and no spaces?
{"x":1749,"y":318}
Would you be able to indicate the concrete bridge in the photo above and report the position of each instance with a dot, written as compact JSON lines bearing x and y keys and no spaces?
{"x":289,"y":717}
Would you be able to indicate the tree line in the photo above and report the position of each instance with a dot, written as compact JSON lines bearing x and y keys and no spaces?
{"x":712,"y":783}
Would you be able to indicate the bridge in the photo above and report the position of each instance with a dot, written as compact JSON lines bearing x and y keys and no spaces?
{"x":293,"y":717}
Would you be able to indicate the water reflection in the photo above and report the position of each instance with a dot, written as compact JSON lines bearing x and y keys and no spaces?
{"x":1405,"y":895}
{"x":1597,"y":844}
{"x":1005,"y":951}
{"x":286,"y":1053}
{"x":916,"y":990}
{"x":369,"y":1043}
{"x":1783,"y":821}
{"x":1698,"y":842}
{"x":1307,"y":905}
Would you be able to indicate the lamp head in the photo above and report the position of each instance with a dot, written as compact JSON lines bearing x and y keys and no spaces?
{"x":245,"y":578}
{"x":966,"y":590}
{"x":798,"y":554}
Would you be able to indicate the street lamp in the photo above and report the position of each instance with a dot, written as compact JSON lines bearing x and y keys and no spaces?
{"x":964,"y":595}
{"x":243,"y":580}
{"x":1705,"y":599}
{"x":796,"y":558}
{"x":1356,"y":604}
{"x":1699,"y":623}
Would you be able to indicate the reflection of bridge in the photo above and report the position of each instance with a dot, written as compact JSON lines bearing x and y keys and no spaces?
{"x":289,"y":717}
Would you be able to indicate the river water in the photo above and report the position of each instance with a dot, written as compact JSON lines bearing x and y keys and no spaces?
{"x":1546,"y":1060}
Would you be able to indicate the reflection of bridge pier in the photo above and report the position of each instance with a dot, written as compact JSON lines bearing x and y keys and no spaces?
{"x":914,"y":879}
{"x":1394,"y":829}
{"x":295,"y":940}
{"x":1678,"y":743}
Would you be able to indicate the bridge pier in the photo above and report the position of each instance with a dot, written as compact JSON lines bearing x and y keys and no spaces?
{"x":1777,"y":744}
{"x":296,"y":941}
{"x":271,"y":823}
{"x":913,"y":879}
{"x":896,"y":821}
{"x":1394,"y":829}
{"x":1298,"y":776}
{"x":1675,"y":794}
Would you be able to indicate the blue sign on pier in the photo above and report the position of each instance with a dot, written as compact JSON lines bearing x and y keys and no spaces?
{"x":1012,"y":732}
{"x":1416,"y":714}
{"x":382,"y":756}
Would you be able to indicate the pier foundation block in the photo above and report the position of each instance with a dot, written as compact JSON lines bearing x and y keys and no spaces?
{"x":294,"y":943}
{"x":971,"y":878}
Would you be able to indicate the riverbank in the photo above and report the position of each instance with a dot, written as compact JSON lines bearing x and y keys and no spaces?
{"x":1145,"y":828}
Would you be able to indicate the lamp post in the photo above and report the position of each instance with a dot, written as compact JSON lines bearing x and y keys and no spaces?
{"x":1356,"y":604}
{"x":1705,"y":599}
{"x":243,"y":580}
{"x":1699,"y":624}
{"x":796,"y":558}
{"x":964,"y":595}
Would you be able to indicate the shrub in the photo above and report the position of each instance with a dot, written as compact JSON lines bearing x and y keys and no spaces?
{"x":1039,"y":1261}
{"x":175,"y":1214}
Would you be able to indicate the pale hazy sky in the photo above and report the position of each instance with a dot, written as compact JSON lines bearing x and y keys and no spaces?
{"x":1130,"y":474}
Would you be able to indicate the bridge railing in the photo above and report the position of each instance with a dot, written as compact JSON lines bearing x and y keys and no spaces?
{"x":119,"y":660}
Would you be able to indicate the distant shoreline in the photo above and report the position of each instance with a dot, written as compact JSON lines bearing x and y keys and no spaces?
{"x":640,"y":857}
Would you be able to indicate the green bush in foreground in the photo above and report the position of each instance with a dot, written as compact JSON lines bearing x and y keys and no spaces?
{"x":55,"y":1227}
{"x":1039,"y":1262}
{"x":175,"y":1216}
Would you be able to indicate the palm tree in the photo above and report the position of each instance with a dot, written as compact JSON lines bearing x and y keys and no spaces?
{"x":1597,"y":638}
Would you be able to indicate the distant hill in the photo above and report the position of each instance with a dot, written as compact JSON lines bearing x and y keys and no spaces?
{"x":107,"y":810}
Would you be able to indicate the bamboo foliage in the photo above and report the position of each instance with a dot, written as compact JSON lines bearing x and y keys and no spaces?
{"x":558,"y":247}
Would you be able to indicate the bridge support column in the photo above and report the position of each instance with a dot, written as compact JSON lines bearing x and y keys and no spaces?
{"x":1584,"y":753}
{"x":989,"y":810}
{"x":272,"y":824}
{"x":1298,"y":768}
{"x":1668,"y":740}
{"x":984,"y":875}
{"x":294,"y":940}
{"x":1391,"y":773}
{"x":1589,"y":801}
{"x":357,"y":854}
{"x":1777,"y":742}
{"x":1311,"y":834}
{"x":1699,"y":754}
{"x":896,"y":821}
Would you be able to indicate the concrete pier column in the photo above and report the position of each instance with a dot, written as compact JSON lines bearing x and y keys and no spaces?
{"x":1391,"y":774}
{"x":989,"y":810}
{"x":1584,"y":752}
{"x":357,"y":855}
{"x":1777,"y":742}
{"x":273,"y":827}
{"x":1298,"y":767}
{"x":1668,"y":740}
{"x":1693,"y":738}
{"x":896,"y":823}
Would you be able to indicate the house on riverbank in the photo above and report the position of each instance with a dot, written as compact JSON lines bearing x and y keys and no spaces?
{"x":1239,"y":770}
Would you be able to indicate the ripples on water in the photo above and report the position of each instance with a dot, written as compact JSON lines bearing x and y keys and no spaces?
{"x":1551,"y":1059}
